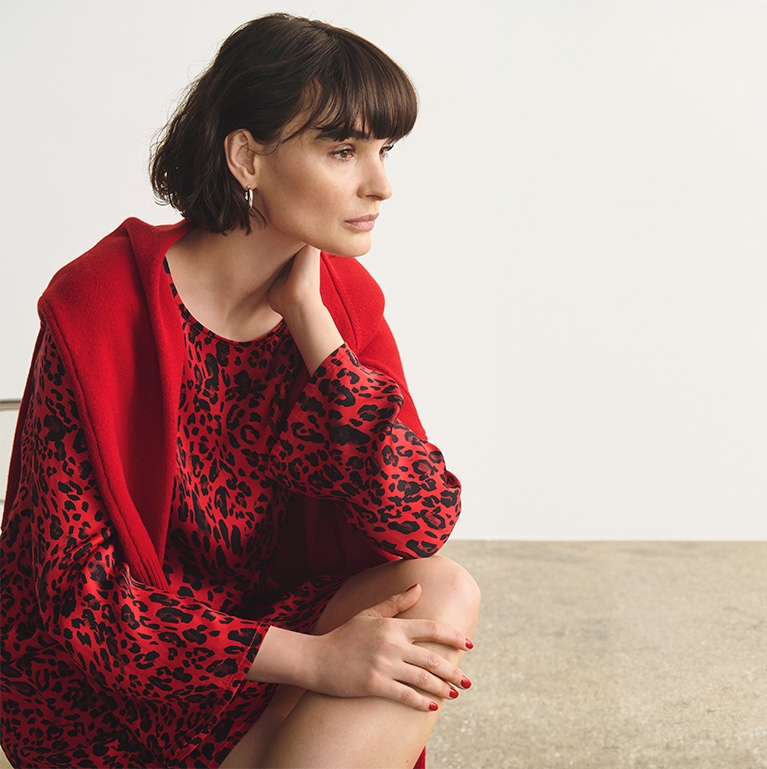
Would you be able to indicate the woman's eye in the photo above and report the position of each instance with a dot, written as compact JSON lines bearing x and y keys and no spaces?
{"x":344,"y":153}
{"x":386,"y":149}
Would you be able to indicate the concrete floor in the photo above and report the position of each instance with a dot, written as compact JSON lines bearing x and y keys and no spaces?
{"x":612,"y":656}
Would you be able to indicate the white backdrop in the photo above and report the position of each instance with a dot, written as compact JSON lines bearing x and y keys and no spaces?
{"x":574,"y":257}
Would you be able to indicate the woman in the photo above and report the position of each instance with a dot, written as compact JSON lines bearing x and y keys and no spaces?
{"x":222,"y":506}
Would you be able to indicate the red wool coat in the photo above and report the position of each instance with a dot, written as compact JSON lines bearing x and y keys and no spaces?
{"x":112,"y":342}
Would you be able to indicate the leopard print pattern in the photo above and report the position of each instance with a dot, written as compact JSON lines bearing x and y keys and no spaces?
{"x":100,"y":670}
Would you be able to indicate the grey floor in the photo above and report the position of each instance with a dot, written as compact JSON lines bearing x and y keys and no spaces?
{"x":612,"y":656}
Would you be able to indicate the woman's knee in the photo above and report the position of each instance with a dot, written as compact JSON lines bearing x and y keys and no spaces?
{"x":449,"y":589}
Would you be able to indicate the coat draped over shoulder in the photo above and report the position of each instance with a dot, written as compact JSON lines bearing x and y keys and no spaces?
{"x":117,"y":333}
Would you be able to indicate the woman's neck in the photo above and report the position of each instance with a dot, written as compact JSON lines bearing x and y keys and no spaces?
{"x":224,"y":280}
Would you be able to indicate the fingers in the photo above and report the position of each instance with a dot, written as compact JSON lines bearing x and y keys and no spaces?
{"x":429,"y":631}
{"x":420,"y":629}
{"x":297,"y":282}
{"x":427,"y":670}
{"x":410,"y":697}
{"x":305,"y":264}
{"x":396,"y":604}
{"x":407,"y":691}
{"x":307,"y":254}
{"x":285,"y":270}
{"x":398,"y":666}
{"x":407,"y":695}
{"x":432,"y":673}
{"x":418,"y":687}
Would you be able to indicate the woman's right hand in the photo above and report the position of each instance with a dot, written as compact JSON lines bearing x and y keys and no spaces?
{"x":375,"y":654}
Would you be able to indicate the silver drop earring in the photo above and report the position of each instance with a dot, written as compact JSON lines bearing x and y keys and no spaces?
{"x":249,"y":197}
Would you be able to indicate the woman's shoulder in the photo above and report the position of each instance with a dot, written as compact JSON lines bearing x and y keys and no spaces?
{"x":353,"y":297}
{"x":113,"y":270}
{"x":116,"y":260}
{"x":95,"y":265}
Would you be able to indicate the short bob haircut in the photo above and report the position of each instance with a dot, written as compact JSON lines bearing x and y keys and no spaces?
{"x":269,"y":74}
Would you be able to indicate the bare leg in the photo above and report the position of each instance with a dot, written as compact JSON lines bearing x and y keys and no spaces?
{"x":333,"y":732}
{"x":249,"y":752}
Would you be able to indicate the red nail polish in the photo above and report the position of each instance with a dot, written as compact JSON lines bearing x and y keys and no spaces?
{"x":433,"y":706}
{"x":453,"y":694}
{"x":469,"y":644}
{"x":411,"y":587}
{"x":465,"y":683}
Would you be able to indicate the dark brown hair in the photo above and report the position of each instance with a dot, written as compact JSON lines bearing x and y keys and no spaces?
{"x":266,"y":75}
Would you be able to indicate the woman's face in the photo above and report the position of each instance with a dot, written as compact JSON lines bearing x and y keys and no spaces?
{"x":323,"y":192}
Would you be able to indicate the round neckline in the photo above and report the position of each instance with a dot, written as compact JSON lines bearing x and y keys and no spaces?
{"x":209,"y":333}
{"x":194,"y":323}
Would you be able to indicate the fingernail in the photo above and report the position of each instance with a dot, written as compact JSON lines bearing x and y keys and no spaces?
{"x":469,"y":644}
{"x":411,"y":587}
{"x":453,"y":694}
{"x":465,"y":683}
{"x":433,"y":706}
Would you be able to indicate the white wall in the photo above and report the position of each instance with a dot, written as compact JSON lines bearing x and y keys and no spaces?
{"x":574,"y":257}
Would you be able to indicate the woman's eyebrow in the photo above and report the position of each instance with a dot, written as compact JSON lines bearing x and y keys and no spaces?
{"x":332,"y":135}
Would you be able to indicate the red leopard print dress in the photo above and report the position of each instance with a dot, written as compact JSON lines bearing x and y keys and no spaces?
{"x":103,"y":671}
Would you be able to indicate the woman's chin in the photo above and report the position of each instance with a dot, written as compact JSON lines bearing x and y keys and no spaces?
{"x":360,"y":243}
{"x":351,"y":252}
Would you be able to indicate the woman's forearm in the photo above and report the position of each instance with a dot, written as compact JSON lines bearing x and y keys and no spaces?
{"x":314,"y":332}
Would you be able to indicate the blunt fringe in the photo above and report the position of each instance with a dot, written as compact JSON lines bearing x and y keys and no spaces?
{"x":267,"y":74}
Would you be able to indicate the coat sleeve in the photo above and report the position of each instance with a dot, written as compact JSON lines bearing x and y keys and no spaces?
{"x":345,"y":440}
{"x":137,"y":642}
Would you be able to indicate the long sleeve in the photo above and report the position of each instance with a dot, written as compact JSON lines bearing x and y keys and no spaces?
{"x":170,"y":657}
{"x":343,"y":440}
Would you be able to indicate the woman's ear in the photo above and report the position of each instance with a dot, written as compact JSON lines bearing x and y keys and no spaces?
{"x":242,"y":154}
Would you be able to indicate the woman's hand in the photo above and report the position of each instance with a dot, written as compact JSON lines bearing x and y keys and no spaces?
{"x":295,"y":294}
{"x":375,"y":654}
{"x":297,"y":285}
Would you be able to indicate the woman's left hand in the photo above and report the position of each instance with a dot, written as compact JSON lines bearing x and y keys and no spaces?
{"x":297,"y":286}
{"x":295,"y":294}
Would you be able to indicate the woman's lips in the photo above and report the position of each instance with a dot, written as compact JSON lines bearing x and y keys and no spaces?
{"x":364,"y":223}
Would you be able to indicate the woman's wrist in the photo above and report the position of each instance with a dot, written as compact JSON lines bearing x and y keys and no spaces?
{"x":314,"y":332}
{"x":285,"y":657}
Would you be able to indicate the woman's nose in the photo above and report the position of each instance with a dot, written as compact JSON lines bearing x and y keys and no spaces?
{"x":377,"y":182}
